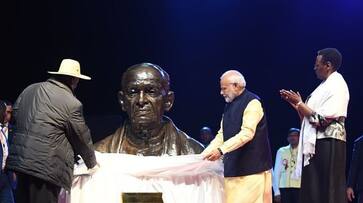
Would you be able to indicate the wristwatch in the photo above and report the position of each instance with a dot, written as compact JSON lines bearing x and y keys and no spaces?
{"x":220,"y":151}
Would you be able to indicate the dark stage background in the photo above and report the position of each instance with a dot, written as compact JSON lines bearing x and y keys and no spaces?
{"x":273,"y":43}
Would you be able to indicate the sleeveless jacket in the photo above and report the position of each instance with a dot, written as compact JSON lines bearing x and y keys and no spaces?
{"x":255,"y":156}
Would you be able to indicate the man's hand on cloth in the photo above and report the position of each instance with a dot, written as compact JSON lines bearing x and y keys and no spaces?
{"x":82,"y":168}
{"x":93,"y":170}
{"x":213,"y":155}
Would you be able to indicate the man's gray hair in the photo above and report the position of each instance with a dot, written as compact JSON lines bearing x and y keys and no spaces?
{"x":235,"y":77}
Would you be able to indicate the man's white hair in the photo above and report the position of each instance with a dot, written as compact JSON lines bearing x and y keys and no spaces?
{"x":234,"y":76}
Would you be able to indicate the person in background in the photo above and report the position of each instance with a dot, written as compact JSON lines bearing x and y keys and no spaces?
{"x":9,"y":134}
{"x":206,"y":135}
{"x":286,"y":189}
{"x":355,"y":177}
{"x":6,"y":192}
{"x":7,"y":128}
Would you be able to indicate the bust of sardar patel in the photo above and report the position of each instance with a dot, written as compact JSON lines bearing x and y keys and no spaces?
{"x":145,"y":96}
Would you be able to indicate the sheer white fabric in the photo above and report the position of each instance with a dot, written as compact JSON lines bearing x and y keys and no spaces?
{"x":180,"y":178}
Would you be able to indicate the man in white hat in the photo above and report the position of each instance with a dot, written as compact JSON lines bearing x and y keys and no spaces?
{"x":50,"y":131}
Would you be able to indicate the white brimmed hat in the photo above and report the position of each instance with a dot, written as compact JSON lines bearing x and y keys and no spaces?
{"x":70,"y":67}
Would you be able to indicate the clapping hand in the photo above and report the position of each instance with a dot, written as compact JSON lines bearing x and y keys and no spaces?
{"x":290,"y":96}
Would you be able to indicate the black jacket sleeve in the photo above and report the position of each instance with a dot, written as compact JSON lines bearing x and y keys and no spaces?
{"x":80,"y":137}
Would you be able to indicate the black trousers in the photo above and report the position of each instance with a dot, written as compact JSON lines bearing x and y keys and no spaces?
{"x":34,"y":190}
{"x":323,"y":180}
{"x":289,"y":195}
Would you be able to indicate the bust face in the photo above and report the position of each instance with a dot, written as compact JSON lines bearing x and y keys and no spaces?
{"x":143,"y":97}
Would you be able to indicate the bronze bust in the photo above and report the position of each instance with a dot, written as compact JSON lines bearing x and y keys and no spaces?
{"x":145,"y":96}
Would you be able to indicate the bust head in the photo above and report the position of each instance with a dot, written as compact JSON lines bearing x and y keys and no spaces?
{"x":145,"y":96}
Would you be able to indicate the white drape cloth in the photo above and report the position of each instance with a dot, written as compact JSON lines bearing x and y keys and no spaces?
{"x":180,"y":178}
{"x":330,"y":100}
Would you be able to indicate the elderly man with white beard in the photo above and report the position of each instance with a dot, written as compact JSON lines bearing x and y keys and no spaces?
{"x":243,"y":142}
